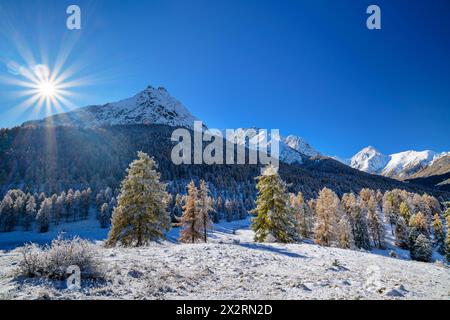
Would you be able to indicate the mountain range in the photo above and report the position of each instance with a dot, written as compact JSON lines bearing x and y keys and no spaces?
{"x":156,"y":107}
{"x":405,"y":165}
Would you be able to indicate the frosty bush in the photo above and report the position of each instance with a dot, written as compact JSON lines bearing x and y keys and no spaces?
{"x":52,"y":261}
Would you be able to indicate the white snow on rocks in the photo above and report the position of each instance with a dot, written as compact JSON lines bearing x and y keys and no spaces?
{"x":399,"y":165}
{"x":151,"y":106}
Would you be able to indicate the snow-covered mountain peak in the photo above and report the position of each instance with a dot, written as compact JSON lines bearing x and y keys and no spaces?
{"x":398,"y":165}
{"x":299,"y":144}
{"x":150,"y":106}
{"x":405,"y":163}
{"x":369,"y":160}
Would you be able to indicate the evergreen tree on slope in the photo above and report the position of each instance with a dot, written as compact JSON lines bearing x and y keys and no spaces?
{"x":140,"y":215}
{"x":274,"y":217}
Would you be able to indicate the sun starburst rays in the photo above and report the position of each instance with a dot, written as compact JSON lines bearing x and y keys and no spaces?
{"x":42,"y":90}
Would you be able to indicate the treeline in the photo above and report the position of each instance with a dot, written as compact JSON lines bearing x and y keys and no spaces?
{"x":53,"y":160}
{"x":352,"y":221}
{"x":38,"y":212}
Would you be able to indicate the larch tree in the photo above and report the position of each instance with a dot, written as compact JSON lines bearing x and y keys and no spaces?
{"x":405,"y":211}
{"x":191,"y":221}
{"x":389,"y":210}
{"x":327,"y":207}
{"x":104,"y":216}
{"x":44,"y":217}
{"x":274,"y":218}
{"x":205,"y":206}
{"x":439,"y":234}
{"x":141,"y":213}
{"x":345,"y":239}
{"x":375,"y":223}
{"x":302,"y":215}
{"x":7,"y":221}
{"x":30,"y":213}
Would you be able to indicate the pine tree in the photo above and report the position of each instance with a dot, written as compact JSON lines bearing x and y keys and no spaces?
{"x":140,"y":215}
{"x":205,"y":206}
{"x":421,"y":249}
{"x":191,"y":220}
{"x":326,"y":217}
{"x":375,"y":224}
{"x":274,"y":216}
{"x":43,"y":216}
{"x":439,"y":234}
{"x":30,"y":213}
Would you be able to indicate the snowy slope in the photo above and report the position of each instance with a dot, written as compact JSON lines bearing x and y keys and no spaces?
{"x":299,"y":144}
{"x":399,"y":165}
{"x":232,"y":266}
{"x":369,"y":160}
{"x":404,"y":164}
{"x":287,"y":154}
{"x":151,"y":106}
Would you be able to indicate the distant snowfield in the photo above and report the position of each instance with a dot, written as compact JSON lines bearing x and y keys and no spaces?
{"x":232,"y":266}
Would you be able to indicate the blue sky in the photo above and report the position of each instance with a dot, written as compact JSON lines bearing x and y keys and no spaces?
{"x":309,"y":68}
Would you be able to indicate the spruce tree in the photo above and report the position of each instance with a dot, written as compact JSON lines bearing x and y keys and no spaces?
{"x":191,"y":220}
{"x":361,"y":230}
{"x":274,"y":217}
{"x":401,"y":234}
{"x":421,"y":249}
{"x":140,"y":215}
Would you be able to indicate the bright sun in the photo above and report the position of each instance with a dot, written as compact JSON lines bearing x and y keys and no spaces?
{"x":47,"y":89}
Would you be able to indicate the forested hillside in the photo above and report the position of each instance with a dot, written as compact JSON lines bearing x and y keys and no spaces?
{"x":55,"y":159}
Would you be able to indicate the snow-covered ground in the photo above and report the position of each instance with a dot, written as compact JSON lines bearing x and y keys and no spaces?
{"x":232,"y":266}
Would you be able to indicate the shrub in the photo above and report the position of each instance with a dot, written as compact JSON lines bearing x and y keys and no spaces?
{"x":52,"y":261}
